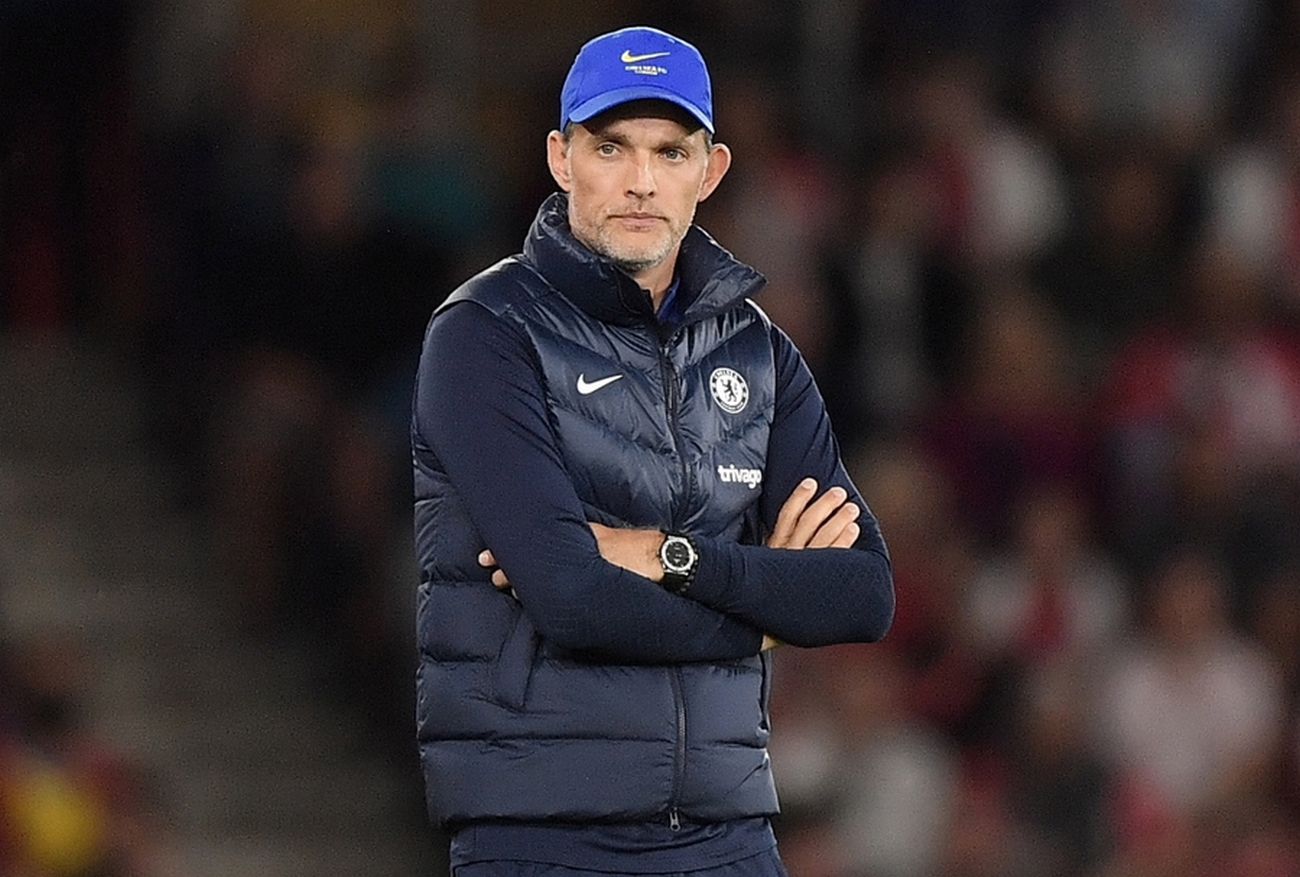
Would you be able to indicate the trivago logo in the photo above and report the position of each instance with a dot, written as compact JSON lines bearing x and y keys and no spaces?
{"x":733,"y":474}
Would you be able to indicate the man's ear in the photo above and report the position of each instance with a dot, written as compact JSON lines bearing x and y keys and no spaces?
{"x":557,"y":158}
{"x":719,"y":163}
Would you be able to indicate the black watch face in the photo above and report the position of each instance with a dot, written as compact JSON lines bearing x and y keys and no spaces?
{"x":677,"y":555}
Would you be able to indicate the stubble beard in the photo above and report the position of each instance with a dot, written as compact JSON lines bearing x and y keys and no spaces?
{"x":630,"y":258}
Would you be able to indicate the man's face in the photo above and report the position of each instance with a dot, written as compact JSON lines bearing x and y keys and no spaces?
{"x":634,"y":177}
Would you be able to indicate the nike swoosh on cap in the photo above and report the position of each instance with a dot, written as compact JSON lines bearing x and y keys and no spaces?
{"x":586,"y":387}
{"x":628,"y":58}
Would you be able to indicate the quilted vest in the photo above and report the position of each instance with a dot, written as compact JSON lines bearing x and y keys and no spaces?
{"x":510,"y":727}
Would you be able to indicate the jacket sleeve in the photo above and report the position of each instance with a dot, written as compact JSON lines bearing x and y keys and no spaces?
{"x":805,"y":598}
{"x":480,"y":414}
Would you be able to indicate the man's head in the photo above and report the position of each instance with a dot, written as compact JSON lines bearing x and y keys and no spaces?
{"x":634,"y":150}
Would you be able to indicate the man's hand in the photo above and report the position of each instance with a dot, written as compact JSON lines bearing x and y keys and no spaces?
{"x":635,"y":550}
{"x":829,"y":522}
{"x":826,"y":522}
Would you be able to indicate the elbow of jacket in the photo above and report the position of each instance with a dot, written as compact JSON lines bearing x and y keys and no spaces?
{"x":867,"y":622}
{"x":868,"y":626}
{"x":888,"y":602}
{"x":884,"y":619}
{"x":878,"y":613}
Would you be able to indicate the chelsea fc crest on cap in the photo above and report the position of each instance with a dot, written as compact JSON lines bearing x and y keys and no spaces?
{"x":729,"y":390}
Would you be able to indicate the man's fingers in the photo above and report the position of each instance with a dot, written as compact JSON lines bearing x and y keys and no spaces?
{"x":486,"y":558}
{"x":839,"y":531}
{"x":788,"y":518}
{"x":817,"y":514}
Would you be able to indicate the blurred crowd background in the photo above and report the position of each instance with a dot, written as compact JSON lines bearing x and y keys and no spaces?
{"x":1042,"y":255}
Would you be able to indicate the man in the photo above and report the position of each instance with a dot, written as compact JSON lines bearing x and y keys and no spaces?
{"x":614,"y":452}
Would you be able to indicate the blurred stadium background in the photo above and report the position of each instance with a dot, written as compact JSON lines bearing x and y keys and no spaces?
{"x":1043,"y":255}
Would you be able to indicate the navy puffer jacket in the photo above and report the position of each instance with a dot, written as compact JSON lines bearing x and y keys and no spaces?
{"x":513,"y":725}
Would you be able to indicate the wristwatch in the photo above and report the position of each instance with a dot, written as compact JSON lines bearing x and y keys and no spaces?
{"x":679,"y":559}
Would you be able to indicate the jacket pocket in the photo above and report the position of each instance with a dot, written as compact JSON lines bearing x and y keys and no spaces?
{"x":514,"y":664}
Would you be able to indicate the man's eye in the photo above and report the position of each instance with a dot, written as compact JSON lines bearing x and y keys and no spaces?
{"x":674,"y":154}
{"x":606,"y":149}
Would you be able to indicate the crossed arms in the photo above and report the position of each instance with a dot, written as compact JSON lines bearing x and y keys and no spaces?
{"x":592,"y":589}
{"x":805,"y":521}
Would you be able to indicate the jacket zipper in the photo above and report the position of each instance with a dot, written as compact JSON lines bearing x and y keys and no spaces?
{"x":672,"y":401}
{"x":679,"y":753}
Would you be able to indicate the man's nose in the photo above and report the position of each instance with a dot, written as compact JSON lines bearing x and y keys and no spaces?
{"x":641,"y":182}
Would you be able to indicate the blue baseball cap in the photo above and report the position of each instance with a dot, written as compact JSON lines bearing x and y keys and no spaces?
{"x":636,"y":63}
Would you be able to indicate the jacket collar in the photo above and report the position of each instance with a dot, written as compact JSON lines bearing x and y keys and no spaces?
{"x":712,"y":280}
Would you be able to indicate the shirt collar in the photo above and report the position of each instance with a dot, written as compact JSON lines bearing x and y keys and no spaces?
{"x":670,"y":309}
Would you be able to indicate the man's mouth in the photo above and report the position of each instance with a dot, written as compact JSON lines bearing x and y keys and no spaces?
{"x":638,"y":218}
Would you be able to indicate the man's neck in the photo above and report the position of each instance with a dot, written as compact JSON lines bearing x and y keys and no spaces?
{"x":656,"y":279}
